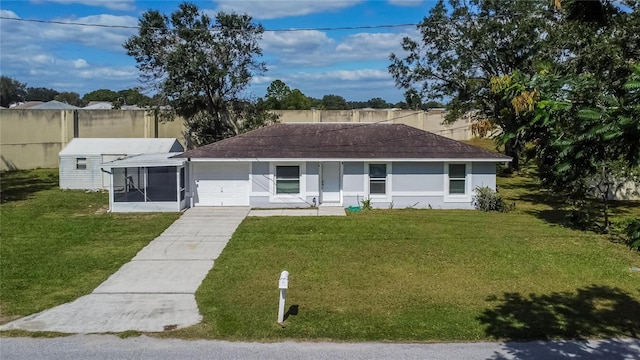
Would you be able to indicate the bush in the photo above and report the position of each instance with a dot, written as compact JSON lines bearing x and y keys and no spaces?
{"x":487,"y":199}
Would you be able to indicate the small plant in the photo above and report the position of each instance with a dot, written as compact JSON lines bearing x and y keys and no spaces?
{"x":486,"y":199}
{"x":391,"y":205}
{"x":366,"y":204}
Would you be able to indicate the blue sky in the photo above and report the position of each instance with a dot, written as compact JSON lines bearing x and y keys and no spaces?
{"x":350,"y":63}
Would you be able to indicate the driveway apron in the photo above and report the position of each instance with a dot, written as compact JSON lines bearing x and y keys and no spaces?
{"x":156,"y":290}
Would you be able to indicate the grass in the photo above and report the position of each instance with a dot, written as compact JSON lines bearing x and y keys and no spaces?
{"x":425,"y":275}
{"x":58,"y":245}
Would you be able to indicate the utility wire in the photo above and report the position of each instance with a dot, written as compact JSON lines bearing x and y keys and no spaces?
{"x":71,"y":23}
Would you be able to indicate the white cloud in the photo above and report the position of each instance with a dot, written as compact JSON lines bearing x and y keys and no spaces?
{"x":315,"y":48}
{"x":8,"y":14}
{"x":405,"y":2}
{"x":344,"y":75}
{"x":274,"y":9}
{"x":80,"y":64}
{"x":295,"y":41}
{"x":122,"y":5}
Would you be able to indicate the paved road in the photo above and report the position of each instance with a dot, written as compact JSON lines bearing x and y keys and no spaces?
{"x":111,"y":347}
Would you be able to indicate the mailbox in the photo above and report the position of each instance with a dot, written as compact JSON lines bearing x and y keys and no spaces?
{"x":284,"y":280}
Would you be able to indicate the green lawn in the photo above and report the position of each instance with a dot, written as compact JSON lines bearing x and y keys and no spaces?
{"x":390,"y":275}
{"x":425,"y":275}
{"x":58,"y":245}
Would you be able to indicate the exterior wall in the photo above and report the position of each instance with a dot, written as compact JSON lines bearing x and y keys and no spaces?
{"x":410,"y":184}
{"x":262,"y":186}
{"x":33,"y":138}
{"x":484,"y":174}
{"x":89,"y":178}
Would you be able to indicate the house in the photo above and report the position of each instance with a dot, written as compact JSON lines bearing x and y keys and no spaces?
{"x":339,"y":164}
{"x":306,"y":164}
{"x":81,"y":160}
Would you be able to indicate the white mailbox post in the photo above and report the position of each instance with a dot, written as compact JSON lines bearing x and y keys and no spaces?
{"x":283,"y":284}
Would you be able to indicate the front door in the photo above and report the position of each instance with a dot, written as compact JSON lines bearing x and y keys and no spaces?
{"x":330,"y":183}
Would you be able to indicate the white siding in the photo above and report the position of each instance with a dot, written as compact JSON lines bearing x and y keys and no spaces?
{"x":89,"y":178}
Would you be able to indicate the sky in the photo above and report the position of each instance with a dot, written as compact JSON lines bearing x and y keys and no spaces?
{"x":350,"y":63}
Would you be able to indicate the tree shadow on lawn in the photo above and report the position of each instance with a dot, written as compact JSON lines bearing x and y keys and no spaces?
{"x":20,"y":185}
{"x":591,"y":312}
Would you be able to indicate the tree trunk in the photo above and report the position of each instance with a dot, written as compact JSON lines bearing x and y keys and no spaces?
{"x":511,"y":149}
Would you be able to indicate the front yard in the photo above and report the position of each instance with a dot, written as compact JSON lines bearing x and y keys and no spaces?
{"x":58,"y":245}
{"x":387,"y":275}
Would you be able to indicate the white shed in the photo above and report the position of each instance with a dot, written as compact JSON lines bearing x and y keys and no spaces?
{"x":81,"y":160}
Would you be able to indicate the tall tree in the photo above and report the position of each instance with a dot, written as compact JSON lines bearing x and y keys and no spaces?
{"x":334,"y":102}
{"x":201,"y":66}
{"x":40,"y":94}
{"x":277,"y":92}
{"x":466,"y":43}
{"x":100,"y":95}
{"x":71,"y":98}
{"x":11,"y":91}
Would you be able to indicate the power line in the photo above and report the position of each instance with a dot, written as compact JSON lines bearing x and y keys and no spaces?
{"x":71,"y":23}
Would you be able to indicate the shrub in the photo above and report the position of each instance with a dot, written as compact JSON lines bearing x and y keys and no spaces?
{"x":487,"y":199}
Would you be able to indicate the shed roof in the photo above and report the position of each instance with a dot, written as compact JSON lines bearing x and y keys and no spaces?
{"x":124,"y":146}
{"x":146,"y":160}
{"x":341,"y":141}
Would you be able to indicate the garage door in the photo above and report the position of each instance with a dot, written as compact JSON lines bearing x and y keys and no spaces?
{"x":221,"y":184}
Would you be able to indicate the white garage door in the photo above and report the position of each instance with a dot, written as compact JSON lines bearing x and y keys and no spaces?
{"x":221,"y":184}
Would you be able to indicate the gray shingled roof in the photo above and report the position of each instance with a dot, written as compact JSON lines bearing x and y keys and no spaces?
{"x":341,"y":141}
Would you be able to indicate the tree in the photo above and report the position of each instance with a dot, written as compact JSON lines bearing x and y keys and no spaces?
{"x":40,"y":94}
{"x":201,"y":66}
{"x":413,"y":99}
{"x":100,"y":95}
{"x":377,"y":103}
{"x":296,"y":100}
{"x":11,"y":91}
{"x":465,"y":44}
{"x":133,"y":97}
{"x":277,"y":92}
{"x":334,"y":102}
{"x":581,"y":113}
{"x":71,"y":98}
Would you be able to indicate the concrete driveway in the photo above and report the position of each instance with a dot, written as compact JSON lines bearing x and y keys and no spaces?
{"x":153,"y":292}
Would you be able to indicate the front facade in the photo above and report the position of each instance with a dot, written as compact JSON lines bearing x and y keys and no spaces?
{"x":334,"y":164}
{"x":338,"y":182}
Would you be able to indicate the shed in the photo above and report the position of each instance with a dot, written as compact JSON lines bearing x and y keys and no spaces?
{"x":81,"y":160}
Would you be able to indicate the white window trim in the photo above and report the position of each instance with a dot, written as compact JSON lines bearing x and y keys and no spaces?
{"x":387,"y":195}
{"x":457,"y":198}
{"x":287,"y":198}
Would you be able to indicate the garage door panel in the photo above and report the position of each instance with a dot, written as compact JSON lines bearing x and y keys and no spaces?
{"x":221,"y":184}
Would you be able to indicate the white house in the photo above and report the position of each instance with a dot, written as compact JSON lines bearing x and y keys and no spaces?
{"x":81,"y":160}
{"x":331,"y":164}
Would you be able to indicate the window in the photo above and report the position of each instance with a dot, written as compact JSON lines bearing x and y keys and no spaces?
{"x":377,"y":179}
{"x":457,"y":179}
{"x":287,"y":179}
{"x":81,"y":163}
